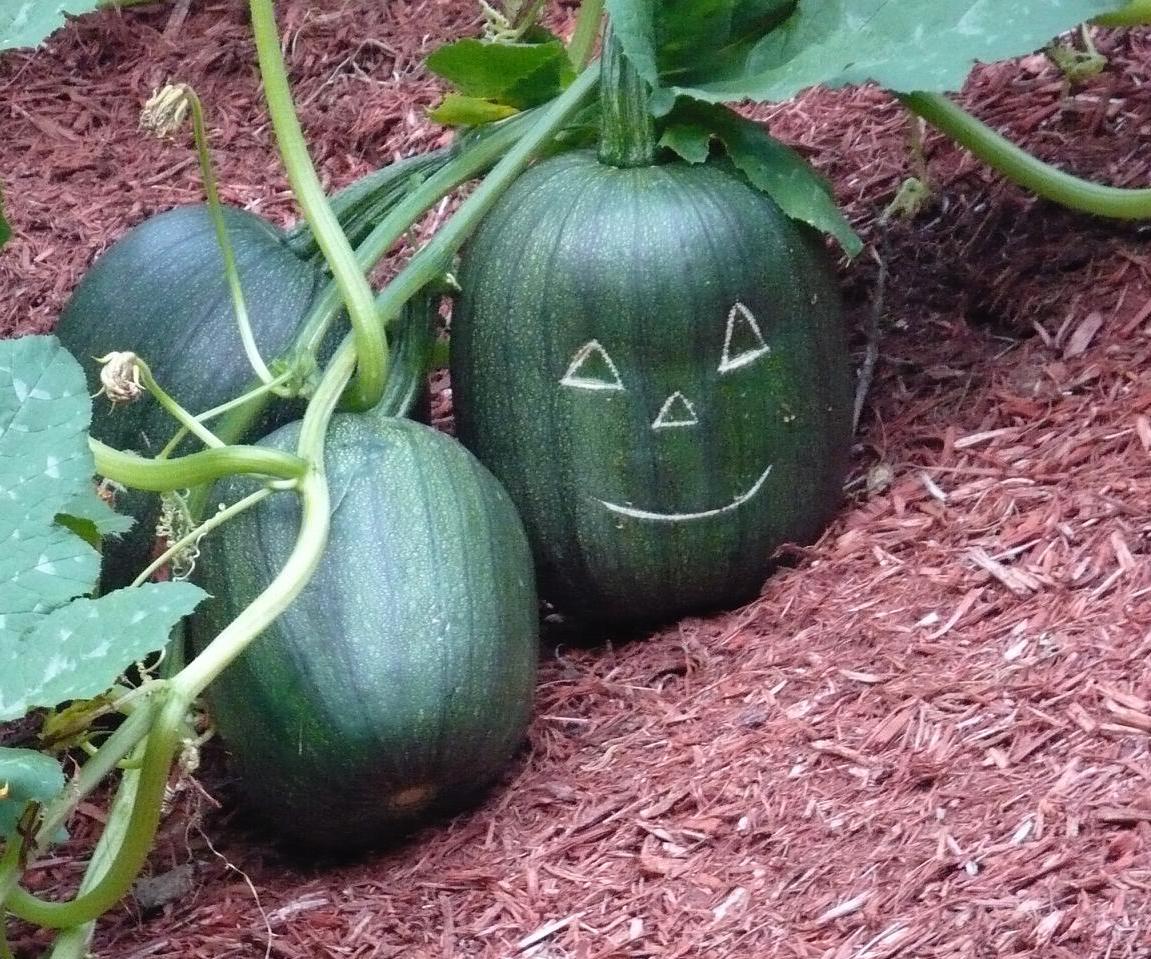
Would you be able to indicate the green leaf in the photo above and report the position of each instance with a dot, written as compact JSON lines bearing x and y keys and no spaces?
{"x":695,"y":35}
{"x":456,"y":110}
{"x":685,"y":41}
{"x":634,"y":24}
{"x":25,"y":23}
{"x":688,"y":140}
{"x":78,"y":650}
{"x":52,"y":650}
{"x":88,"y":506}
{"x":902,"y":45}
{"x":1134,"y":14}
{"x":90,"y":518}
{"x":25,"y":776}
{"x":5,"y":229}
{"x":45,"y":464}
{"x":519,"y":75}
{"x":775,"y":169}
{"x":68,"y":727}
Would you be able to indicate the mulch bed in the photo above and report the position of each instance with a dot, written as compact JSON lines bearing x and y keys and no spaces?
{"x":927,"y":738}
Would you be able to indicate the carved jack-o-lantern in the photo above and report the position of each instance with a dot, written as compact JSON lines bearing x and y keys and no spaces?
{"x":652,"y":361}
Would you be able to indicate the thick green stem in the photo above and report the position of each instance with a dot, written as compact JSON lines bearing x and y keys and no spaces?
{"x":73,"y":943}
{"x":132,"y":852}
{"x":437,"y":254}
{"x":315,"y":522}
{"x":9,"y":877}
{"x":114,"y":749}
{"x":412,"y":347}
{"x":216,"y":211}
{"x":587,"y":28}
{"x":360,"y":205}
{"x":371,"y":344}
{"x":207,"y":466}
{"x":1021,"y":167}
{"x":314,"y":427}
{"x":627,"y":128}
{"x":473,"y":160}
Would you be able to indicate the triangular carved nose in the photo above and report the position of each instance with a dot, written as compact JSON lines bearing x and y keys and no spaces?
{"x":677,"y":410}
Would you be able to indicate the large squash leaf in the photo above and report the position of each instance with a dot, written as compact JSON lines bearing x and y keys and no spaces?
{"x":26,"y":776}
{"x":25,"y":23}
{"x":903,"y":45}
{"x":54,"y":647}
{"x":768,"y":165}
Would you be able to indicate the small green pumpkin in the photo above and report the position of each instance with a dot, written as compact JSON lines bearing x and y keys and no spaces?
{"x":160,"y":291}
{"x":399,"y":684}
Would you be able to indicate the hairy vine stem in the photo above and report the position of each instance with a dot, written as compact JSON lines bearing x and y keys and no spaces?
{"x":627,"y":128}
{"x":195,"y":469}
{"x":371,"y":343}
{"x":1021,"y":167}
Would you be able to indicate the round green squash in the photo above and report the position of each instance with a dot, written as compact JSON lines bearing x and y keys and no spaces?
{"x":399,"y":684}
{"x":160,"y":291}
{"x":653,"y":362}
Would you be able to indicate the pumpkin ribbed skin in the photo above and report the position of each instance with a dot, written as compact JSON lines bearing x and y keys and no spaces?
{"x":160,"y":291}
{"x":652,"y":361}
{"x":400,"y":682}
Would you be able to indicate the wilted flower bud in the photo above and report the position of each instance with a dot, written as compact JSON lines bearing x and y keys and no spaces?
{"x":120,"y":377}
{"x":165,"y":112}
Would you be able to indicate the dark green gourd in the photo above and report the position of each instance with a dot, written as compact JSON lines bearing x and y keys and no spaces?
{"x":651,"y":358}
{"x":399,"y":683}
{"x":160,"y":291}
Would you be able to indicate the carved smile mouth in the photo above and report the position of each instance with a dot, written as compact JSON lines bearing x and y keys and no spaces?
{"x":685,"y":517}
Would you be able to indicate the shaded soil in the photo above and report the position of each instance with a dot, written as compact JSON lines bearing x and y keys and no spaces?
{"x":928,"y":737}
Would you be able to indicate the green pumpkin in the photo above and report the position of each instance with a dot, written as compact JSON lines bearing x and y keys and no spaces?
{"x":399,"y":683}
{"x":653,"y":362}
{"x":160,"y":291}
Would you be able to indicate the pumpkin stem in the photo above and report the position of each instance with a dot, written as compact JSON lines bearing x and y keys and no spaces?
{"x":627,"y":128}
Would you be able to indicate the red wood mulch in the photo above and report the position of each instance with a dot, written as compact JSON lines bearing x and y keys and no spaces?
{"x":928,"y":737}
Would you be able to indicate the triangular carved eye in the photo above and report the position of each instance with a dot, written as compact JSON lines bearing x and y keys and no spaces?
{"x":677,"y":410}
{"x":592,"y":369}
{"x":743,"y":341}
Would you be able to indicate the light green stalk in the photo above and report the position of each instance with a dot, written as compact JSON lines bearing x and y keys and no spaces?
{"x":371,"y":343}
{"x":1021,"y":167}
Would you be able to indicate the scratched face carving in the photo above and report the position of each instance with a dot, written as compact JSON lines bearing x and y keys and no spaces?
{"x":743,"y":341}
{"x":592,"y":368}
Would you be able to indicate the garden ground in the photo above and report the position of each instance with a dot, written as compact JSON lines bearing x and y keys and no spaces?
{"x":927,"y":738}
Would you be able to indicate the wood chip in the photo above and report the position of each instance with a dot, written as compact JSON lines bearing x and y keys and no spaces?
{"x":1083,"y":336}
{"x":1016,"y":580}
